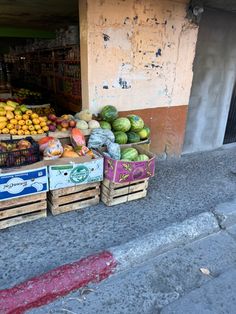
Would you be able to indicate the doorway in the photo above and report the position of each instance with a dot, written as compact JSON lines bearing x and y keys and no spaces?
{"x":230,"y":133}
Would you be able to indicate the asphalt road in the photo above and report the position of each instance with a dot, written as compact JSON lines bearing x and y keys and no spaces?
{"x":181,"y":189}
{"x":171,"y":283}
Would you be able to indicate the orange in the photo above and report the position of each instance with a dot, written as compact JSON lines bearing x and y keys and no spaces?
{"x":21,"y":122}
{"x":18,"y":117}
{"x":13,"y":132}
{"x":13,"y":121}
{"x":28,"y":122}
{"x":25,"y":127}
{"x":37,"y":127}
{"x":45,"y":128}
{"x":34,"y":116}
{"x":43,"y":123}
{"x":5,"y":131}
{"x":36,"y":121}
{"x":31,"y":128}
{"x":10,"y":126}
{"x":25,"y":116}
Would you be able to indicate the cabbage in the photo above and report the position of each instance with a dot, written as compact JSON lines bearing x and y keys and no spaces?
{"x":82,"y":125}
{"x":93,"y":124}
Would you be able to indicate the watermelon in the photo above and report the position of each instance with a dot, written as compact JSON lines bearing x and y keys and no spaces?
{"x":129,"y":153}
{"x":133,"y":137}
{"x":121,"y":124}
{"x":105,"y":125}
{"x":137,"y":123}
{"x":109,"y":113}
{"x":142,"y":157}
{"x":120,"y":137}
{"x":144,"y":133}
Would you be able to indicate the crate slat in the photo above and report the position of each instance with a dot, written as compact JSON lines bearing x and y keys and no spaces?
{"x":73,"y":198}
{"x":114,"y":194}
{"x":21,"y":219}
{"x":23,"y":209}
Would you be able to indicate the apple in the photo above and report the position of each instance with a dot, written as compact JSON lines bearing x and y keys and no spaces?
{"x":63,"y":129}
{"x":52,"y":128}
{"x":59,"y":127}
{"x":59,"y":121}
{"x":65,"y":124}
{"x":72,"y":123}
{"x":52,"y":117}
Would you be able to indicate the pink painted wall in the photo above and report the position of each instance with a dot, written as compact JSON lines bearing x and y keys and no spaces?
{"x":137,"y":53}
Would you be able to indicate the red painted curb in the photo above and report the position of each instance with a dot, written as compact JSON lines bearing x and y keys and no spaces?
{"x":56,"y":283}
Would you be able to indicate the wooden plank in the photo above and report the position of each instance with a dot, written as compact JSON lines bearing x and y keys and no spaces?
{"x":133,"y":187}
{"x":111,"y":202}
{"x":73,"y":189}
{"x":22,"y":200}
{"x":135,"y":196}
{"x":112,"y":185}
{"x":21,"y":219}
{"x":73,"y":206}
{"x":76,"y":196}
{"x":19,"y":210}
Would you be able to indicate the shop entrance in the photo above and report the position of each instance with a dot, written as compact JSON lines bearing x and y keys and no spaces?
{"x":230,"y":133}
{"x":40,"y":53}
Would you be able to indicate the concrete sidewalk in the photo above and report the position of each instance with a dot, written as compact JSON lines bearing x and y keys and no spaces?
{"x":181,"y":189}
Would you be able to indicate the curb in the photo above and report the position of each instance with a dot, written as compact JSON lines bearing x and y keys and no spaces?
{"x":59,"y":282}
{"x":226,"y":214}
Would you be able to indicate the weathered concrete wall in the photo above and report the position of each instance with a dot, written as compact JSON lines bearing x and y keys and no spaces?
{"x":214,"y":77}
{"x":140,"y":53}
{"x":139,"y":56}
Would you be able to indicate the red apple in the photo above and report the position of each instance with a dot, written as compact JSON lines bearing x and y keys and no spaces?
{"x":72,"y":123}
{"x":52,"y":128}
{"x":52,"y":117}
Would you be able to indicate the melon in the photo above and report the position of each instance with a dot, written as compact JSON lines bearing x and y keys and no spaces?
{"x":129,"y":153}
{"x":121,"y":137}
{"x":136,"y":122}
{"x":121,"y":124}
{"x":105,"y":125}
{"x":144,"y":133}
{"x":109,"y":113}
{"x":133,"y":137}
{"x":142,"y":157}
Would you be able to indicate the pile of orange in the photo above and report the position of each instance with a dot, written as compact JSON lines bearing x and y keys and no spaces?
{"x":22,"y":123}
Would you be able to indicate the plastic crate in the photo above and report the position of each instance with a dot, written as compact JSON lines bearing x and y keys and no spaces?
{"x":20,"y":157}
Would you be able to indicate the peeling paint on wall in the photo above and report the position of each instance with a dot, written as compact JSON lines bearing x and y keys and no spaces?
{"x":143,"y":50}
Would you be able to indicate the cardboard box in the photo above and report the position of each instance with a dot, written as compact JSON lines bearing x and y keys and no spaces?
{"x":23,"y":181}
{"x":63,"y":173}
{"x":119,"y":171}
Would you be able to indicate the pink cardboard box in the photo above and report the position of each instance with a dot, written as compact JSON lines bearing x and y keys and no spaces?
{"x":119,"y":171}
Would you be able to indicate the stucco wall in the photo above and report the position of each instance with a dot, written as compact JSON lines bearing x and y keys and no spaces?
{"x":214,"y":78}
{"x":140,"y":53}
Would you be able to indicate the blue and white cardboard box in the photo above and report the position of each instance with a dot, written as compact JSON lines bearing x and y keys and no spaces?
{"x":63,"y":173}
{"x":23,"y":181}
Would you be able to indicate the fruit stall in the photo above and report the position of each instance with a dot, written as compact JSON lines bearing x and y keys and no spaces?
{"x":56,"y":164}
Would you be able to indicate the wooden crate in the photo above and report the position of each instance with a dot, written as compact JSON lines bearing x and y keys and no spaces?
{"x":73,"y":198}
{"x":22,"y":209}
{"x":114,"y":193}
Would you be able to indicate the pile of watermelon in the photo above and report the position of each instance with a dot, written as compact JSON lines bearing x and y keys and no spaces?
{"x":132,"y":154}
{"x":130,"y":129}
